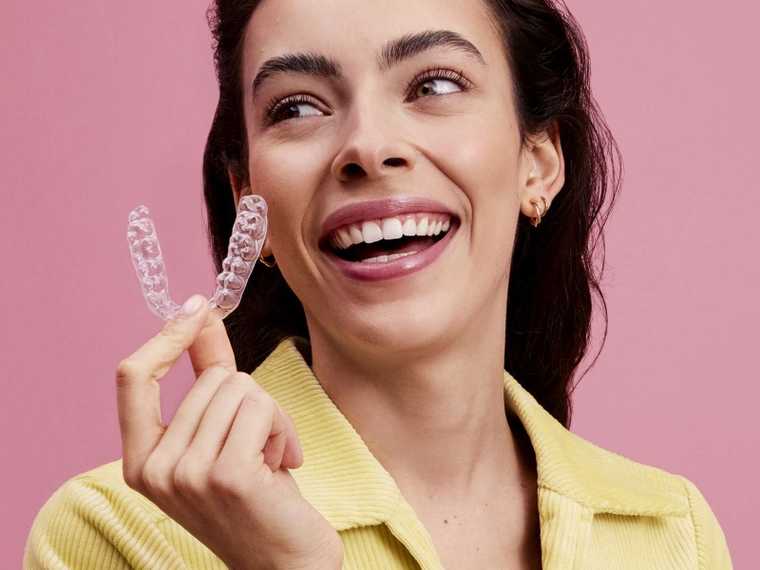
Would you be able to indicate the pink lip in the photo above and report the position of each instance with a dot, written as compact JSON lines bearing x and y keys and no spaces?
{"x":397,"y":268}
{"x":376,"y":209}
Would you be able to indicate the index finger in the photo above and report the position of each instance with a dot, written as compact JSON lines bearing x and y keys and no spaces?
{"x":137,"y":389}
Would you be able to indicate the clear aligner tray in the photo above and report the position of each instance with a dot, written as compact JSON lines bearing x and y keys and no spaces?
{"x":243,"y":251}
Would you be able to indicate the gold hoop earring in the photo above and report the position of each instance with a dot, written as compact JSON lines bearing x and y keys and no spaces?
{"x":270,"y":264}
{"x":539,"y":211}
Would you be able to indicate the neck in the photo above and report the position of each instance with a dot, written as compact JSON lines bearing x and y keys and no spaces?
{"x":436,"y":422}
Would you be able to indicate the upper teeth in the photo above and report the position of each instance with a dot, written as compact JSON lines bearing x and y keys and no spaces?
{"x":396,"y":227}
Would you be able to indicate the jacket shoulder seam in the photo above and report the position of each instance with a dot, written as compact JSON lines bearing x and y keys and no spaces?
{"x":700,"y":551}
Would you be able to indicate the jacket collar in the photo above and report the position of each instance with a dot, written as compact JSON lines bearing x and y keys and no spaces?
{"x":595,"y":477}
{"x":346,"y":483}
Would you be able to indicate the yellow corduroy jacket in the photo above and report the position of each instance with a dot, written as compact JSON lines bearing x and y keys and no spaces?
{"x":598,"y":510}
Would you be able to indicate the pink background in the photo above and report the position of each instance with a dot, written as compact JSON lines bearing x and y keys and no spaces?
{"x":106,"y":105}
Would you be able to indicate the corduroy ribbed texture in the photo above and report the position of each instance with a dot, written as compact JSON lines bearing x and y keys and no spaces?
{"x":598,"y":510}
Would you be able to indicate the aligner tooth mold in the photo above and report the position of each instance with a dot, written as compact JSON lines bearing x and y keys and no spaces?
{"x":246,"y":241}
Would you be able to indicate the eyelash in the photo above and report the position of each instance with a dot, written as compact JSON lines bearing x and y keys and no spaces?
{"x":455,"y":75}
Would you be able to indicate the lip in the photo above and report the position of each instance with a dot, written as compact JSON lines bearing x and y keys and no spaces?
{"x":397,"y":268}
{"x":376,"y":209}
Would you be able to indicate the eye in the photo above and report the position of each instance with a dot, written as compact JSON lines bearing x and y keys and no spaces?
{"x":287,"y":108}
{"x":437,"y":76}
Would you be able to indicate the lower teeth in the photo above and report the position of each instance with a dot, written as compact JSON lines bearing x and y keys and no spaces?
{"x":387,"y":258}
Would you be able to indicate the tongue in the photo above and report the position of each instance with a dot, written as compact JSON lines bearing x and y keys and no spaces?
{"x":388,"y":247}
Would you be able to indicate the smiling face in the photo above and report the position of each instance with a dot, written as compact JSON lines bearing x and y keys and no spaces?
{"x":432,"y":118}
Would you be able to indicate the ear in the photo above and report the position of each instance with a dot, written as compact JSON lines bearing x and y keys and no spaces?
{"x":543,"y":170}
{"x":236,"y":186}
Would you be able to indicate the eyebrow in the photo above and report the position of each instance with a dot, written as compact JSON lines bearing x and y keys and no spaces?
{"x":392,"y":53}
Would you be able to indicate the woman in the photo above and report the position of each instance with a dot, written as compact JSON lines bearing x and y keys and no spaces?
{"x":433,"y":171}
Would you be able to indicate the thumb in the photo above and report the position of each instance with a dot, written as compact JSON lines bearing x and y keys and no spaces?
{"x":210,"y":345}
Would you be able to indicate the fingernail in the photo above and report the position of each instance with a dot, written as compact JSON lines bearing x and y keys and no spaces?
{"x":192,"y":305}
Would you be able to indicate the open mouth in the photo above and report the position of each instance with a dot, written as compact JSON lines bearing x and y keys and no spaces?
{"x":387,"y":250}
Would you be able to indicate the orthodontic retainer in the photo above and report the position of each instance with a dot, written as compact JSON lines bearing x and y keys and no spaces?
{"x":243,"y":251}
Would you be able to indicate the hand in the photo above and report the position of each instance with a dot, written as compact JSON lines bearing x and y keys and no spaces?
{"x":220,"y":468}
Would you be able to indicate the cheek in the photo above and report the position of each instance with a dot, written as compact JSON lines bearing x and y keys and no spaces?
{"x":476,"y":149}
{"x":481,"y":159}
{"x":285,"y":175}
{"x":279,"y":169}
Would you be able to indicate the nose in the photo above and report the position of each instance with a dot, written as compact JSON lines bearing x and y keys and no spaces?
{"x":371,"y":151}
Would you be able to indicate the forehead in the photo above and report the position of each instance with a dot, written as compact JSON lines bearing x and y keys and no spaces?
{"x":355,"y":30}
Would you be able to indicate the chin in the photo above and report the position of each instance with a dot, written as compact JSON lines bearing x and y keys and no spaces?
{"x":402,"y":333}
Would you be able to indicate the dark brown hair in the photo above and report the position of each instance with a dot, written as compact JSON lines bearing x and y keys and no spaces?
{"x":553,"y":272}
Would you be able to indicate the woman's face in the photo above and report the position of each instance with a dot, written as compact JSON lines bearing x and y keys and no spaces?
{"x":367,"y":129}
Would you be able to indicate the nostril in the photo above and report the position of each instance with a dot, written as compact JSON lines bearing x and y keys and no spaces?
{"x":353,"y":170}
